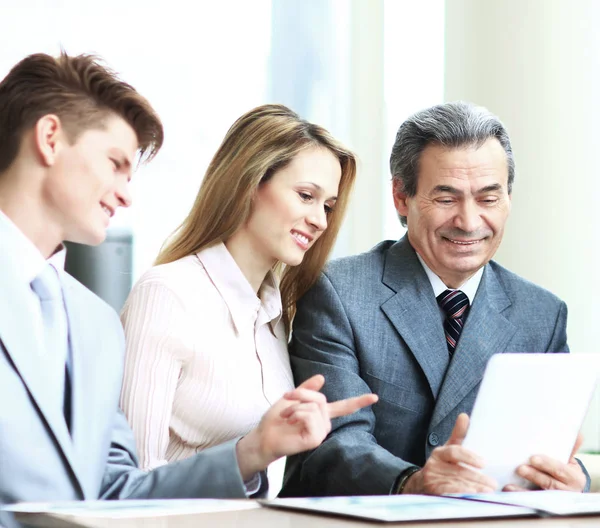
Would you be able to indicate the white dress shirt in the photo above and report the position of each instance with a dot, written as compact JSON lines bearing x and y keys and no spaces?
{"x":469,"y":288}
{"x":206,"y":357}
{"x":29,"y":262}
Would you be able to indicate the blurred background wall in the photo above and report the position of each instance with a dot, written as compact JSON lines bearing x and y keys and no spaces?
{"x":358,"y":67}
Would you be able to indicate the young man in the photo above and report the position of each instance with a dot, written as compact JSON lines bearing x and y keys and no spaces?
{"x":70,"y":131}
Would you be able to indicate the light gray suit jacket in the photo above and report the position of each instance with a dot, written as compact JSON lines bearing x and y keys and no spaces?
{"x":372,"y":323}
{"x":39,"y":459}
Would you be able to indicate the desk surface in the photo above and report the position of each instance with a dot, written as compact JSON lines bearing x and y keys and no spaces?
{"x":267,"y":517}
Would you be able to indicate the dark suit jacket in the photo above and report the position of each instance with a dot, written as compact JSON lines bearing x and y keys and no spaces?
{"x":371,"y":323}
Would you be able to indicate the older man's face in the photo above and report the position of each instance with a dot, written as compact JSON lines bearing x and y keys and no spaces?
{"x":456,"y":219}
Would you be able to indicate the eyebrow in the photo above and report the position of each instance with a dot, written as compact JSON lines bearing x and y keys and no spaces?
{"x":453,"y":190}
{"x":490,"y":188}
{"x":317,"y":188}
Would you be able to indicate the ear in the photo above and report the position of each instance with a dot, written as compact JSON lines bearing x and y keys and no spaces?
{"x":47,"y":136}
{"x":400,"y":197}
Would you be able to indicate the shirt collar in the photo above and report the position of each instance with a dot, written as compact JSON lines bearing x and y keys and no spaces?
{"x":18,"y":248}
{"x":57,"y":260}
{"x":469,"y":288}
{"x":239,"y":296}
{"x":270,"y":297}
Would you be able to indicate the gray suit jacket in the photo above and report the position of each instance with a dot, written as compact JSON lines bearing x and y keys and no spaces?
{"x":39,"y":459}
{"x":372,"y":323}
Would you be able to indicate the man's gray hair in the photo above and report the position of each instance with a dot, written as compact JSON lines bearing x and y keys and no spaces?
{"x":451,"y":125}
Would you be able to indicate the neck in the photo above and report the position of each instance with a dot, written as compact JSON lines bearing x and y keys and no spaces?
{"x":454,"y":283}
{"x":21,"y":201}
{"x":251,"y":261}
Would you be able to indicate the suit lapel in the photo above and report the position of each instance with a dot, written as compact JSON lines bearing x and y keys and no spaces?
{"x":414,"y":313}
{"x":23,"y":348}
{"x":80,"y":389}
{"x":486,"y":332}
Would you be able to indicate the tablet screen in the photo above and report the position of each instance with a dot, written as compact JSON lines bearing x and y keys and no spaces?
{"x":530,"y":404}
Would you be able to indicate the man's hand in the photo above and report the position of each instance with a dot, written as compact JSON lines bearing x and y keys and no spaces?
{"x":297,"y":422}
{"x":451,"y":468}
{"x":550,"y":474}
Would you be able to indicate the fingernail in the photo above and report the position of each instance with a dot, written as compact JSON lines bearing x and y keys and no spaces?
{"x":536,"y":460}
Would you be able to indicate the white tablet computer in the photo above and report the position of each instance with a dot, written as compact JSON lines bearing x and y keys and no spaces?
{"x":530,"y":404}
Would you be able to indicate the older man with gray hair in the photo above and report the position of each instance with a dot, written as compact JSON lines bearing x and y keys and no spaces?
{"x":416,"y":321}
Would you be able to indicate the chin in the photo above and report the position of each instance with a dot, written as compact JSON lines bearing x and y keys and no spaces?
{"x":89,"y":239}
{"x":293,"y":261}
{"x":468,"y":266}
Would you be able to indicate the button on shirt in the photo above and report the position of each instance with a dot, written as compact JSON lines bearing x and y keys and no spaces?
{"x":206,"y":357}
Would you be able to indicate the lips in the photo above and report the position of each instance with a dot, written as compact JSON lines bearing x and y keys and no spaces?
{"x":110,"y":212}
{"x":302,"y":239}
{"x":463,"y":242}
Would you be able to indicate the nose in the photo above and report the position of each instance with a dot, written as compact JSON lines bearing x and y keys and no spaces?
{"x":123,"y":195}
{"x":467,"y":217}
{"x":318,"y":218}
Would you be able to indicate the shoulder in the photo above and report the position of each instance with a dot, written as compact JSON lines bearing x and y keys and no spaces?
{"x":522,"y":291}
{"x":350,"y":278}
{"x":88,"y":298}
{"x":178,"y":290}
{"x":173,"y":273}
{"x":176,"y":279}
{"x":106,"y":327}
{"x":371,"y":261}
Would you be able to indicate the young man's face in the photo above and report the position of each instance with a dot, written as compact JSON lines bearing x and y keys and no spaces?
{"x":88,"y":181}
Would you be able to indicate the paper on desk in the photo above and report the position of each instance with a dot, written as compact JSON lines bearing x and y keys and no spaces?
{"x":530,"y":404}
{"x":397,"y":508}
{"x":126,"y":509}
{"x":554,"y":502}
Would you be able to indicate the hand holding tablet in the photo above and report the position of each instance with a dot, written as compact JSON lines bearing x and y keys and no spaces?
{"x":547,"y":473}
{"x":532,"y":405}
{"x":451,"y":468}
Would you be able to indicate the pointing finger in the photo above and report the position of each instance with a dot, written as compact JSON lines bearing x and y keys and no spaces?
{"x":350,"y":405}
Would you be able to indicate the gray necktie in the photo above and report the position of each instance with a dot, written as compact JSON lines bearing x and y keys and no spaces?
{"x":55,"y":332}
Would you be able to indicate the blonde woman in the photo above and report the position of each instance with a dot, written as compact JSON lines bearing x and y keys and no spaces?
{"x":207,"y":327}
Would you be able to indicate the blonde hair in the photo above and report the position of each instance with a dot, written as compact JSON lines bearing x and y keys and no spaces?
{"x":258,"y":144}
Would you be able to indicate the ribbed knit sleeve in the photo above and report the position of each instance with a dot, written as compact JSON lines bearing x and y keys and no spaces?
{"x":156,"y":327}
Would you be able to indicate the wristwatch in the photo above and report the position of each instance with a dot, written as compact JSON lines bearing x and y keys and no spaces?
{"x":403,"y":479}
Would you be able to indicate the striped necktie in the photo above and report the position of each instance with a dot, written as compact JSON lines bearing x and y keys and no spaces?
{"x":456,"y":305}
